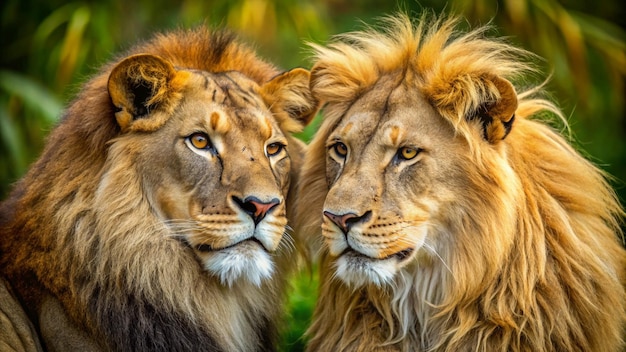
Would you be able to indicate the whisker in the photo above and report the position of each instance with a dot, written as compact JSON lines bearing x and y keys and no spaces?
{"x":286,"y":245}
{"x":432,"y":250}
{"x":179,"y":227}
{"x":179,"y":221}
{"x":184,"y":230}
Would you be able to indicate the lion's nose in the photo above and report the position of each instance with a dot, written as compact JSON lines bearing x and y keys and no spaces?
{"x":346,"y":221}
{"x":256,"y":208}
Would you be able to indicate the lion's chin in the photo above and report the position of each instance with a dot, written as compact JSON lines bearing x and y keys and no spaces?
{"x":358,"y":270}
{"x":247,"y":260}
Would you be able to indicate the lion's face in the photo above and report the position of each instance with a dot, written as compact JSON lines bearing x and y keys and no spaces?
{"x":392,"y":168}
{"x":216,"y":169}
{"x":226,"y":178}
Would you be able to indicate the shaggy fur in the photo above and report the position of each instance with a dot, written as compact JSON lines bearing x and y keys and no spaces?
{"x":110,"y":240}
{"x":453,"y":220}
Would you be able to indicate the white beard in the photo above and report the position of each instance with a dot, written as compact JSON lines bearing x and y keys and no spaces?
{"x":357,"y":270}
{"x":246,"y":260}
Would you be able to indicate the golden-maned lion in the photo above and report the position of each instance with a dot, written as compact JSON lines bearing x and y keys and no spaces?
{"x":156,"y":217}
{"x":452,"y":220}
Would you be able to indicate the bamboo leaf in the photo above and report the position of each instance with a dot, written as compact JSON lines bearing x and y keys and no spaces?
{"x":10,"y":137}
{"x":32,"y":93}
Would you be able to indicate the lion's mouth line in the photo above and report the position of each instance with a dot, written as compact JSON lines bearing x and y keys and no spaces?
{"x":207,"y":248}
{"x":401,"y":255}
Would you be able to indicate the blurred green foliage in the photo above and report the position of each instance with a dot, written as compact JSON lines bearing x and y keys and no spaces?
{"x":50,"y":47}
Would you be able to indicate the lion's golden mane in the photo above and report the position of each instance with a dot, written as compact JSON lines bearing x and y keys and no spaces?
{"x":527,"y":255}
{"x":111,"y":274}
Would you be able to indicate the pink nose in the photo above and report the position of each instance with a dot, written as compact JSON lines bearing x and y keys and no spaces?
{"x":345,"y":221}
{"x":262,"y":208}
{"x":256,"y":208}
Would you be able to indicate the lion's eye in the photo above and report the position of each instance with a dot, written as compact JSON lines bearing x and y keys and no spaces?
{"x":274,"y":149}
{"x":199,"y":140}
{"x":408,"y":153}
{"x":340,"y":149}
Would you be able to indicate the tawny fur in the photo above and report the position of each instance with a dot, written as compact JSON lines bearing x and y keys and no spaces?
{"x":81,"y":243}
{"x":525,"y":254}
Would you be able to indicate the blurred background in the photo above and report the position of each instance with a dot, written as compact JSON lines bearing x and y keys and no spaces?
{"x":50,"y":47}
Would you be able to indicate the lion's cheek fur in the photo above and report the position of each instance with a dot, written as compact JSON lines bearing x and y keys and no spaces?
{"x":160,"y":281}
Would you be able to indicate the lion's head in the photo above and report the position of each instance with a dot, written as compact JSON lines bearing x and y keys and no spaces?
{"x":156,"y":218}
{"x":212,"y":159}
{"x":449,"y":218}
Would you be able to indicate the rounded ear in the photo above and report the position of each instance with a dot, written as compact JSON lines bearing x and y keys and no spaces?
{"x":139,"y":86}
{"x":289,"y":92}
{"x":497,"y":116}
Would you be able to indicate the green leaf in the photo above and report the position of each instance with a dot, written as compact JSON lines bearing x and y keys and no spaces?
{"x":34,"y":95}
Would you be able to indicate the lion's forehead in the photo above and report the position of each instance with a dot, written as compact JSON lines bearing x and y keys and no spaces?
{"x":360,"y":125}
{"x":230,"y":89}
{"x":229,"y":102}
{"x":391,"y":119}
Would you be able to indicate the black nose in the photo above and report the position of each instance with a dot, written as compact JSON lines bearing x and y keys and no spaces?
{"x":345,"y":221}
{"x":256,"y":208}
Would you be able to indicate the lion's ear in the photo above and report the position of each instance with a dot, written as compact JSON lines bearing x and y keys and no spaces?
{"x":497,"y":116}
{"x":290,"y":92}
{"x":489,"y":99}
{"x":142,"y":88}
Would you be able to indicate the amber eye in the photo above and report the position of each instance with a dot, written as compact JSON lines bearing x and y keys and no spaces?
{"x":273,"y":149}
{"x":340,"y":149}
{"x":199,"y":140}
{"x":408,"y":153}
